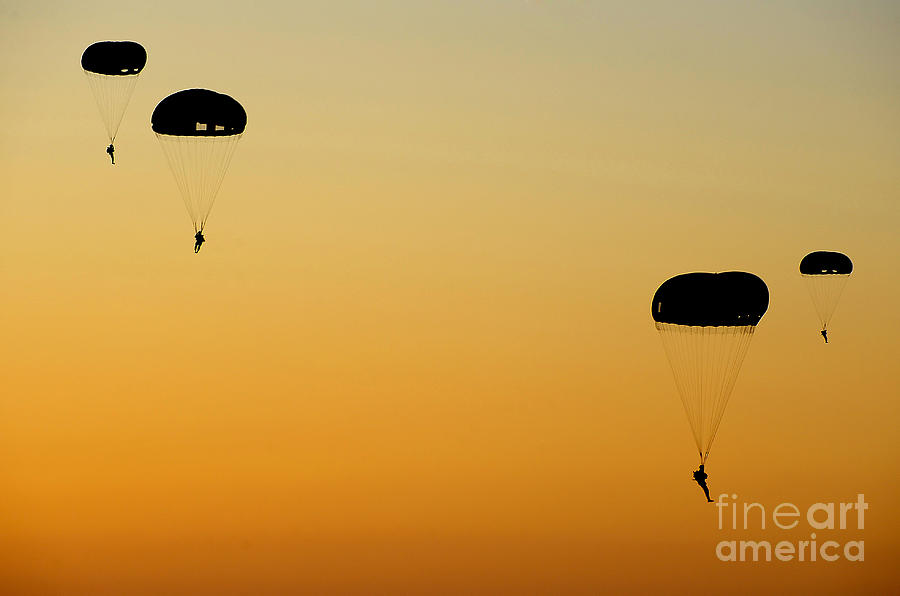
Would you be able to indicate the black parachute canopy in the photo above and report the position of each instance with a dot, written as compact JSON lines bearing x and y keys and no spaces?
{"x":198,"y":113}
{"x":115,"y":58}
{"x":732,"y":298}
{"x":823,"y":262}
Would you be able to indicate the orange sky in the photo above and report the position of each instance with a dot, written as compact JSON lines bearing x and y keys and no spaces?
{"x":415,"y":355}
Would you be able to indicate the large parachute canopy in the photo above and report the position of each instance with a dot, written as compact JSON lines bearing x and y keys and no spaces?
{"x":826,"y":273}
{"x":198,"y":130}
{"x":706,"y":322}
{"x":112,"y":69}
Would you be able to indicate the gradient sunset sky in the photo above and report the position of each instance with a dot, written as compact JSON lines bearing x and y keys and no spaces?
{"x":416,"y":355}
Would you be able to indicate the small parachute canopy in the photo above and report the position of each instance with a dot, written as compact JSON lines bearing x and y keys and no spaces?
{"x":114,"y":58}
{"x":198,"y":113}
{"x":711,"y":299}
{"x":826,"y":273}
{"x":823,"y":262}
{"x":112,"y":69}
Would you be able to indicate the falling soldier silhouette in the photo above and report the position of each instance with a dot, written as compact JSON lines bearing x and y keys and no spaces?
{"x":824,"y":333}
{"x":700,"y":478}
{"x":198,"y":241}
{"x":111,"y":150}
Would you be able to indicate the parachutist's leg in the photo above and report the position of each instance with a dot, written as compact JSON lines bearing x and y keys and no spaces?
{"x":706,"y":492}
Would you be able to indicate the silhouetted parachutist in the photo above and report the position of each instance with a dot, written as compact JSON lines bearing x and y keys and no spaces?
{"x":824,"y":333}
{"x":700,"y":478}
{"x":111,"y":150}
{"x":198,"y":241}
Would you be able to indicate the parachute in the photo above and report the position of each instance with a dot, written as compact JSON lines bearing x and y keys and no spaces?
{"x":112,"y":69}
{"x":826,"y":273}
{"x":706,"y":322}
{"x":198,"y":130}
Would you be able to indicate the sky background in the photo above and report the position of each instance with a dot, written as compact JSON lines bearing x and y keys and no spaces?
{"x":415,"y":355}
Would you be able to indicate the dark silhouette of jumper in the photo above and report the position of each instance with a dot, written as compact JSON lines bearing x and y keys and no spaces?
{"x":198,"y":241}
{"x":111,"y":150}
{"x":700,"y":478}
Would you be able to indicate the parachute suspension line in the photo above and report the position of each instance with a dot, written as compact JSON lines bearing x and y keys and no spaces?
{"x":699,"y":356}
{"x":680,"y":351}
{"x":705,"y":363}
{"x":825,"y":291}
{"x":219,"y":162}
{"x":694,"y":350}
{"x":112,"y":94}
{"x":172,"y":150}
{"x":736,"y":352}
{"x":198,"y":165}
